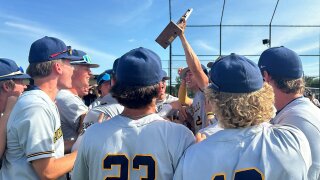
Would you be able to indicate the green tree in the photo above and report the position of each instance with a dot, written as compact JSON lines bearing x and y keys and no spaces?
{"x":312,"y":81}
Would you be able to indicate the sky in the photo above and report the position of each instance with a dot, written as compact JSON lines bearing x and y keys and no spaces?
{"x":106,"y":29}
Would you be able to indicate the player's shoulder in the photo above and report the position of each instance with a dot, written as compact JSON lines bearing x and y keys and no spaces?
{"x":211,"y":129}
{"x":100,"y":108}
{"x":171,"y":128}
{"x":34,"y":98}
{"x":63,"y":93}
{"x":65,"y":97}
{"x":299,"y":107}
{"x":300,"y":113}
{"x":281,"y":129}
{"x":112,"y":110}
{"x":285,"y":133}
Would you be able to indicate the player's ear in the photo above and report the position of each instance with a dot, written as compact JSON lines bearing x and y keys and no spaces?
{"x":57,"y":67}
{"x":266,"y":76}
{"x":5,"y":87}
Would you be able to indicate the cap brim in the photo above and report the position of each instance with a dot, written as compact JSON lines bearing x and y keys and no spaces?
{"x":18,"y":76}
{"x":213,"y":86}
{"x":184,"y":72}
{"x":71,"y":58}
{"x":166,"y":78}
{"x":22,"y":76}
{"x":86,"y":64}
{"x":109,"y":71}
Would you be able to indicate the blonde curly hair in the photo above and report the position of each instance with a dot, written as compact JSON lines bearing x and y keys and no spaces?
{"x":240,"y":110}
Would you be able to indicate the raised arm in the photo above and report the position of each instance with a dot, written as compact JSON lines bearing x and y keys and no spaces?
{"x":182,"y":94}
{"x":192,"y":59}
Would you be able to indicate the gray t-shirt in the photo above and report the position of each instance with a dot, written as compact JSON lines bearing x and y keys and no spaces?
{"x":71,"y":107}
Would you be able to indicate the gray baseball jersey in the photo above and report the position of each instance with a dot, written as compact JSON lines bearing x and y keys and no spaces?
{"x":212,"y":128}
{"x":305,"y":116}
{"x":95,"y":103}
{"x":132,"y":149}
{"x":112,"y":108}
{"x":71,"y":107}
{"x":259,"y":152}
{"x":107,"y":99}
{"x":109,"y":110}
{"x":197,"y":111}
{"x":33,"y":132}
{"x":163,"y":107}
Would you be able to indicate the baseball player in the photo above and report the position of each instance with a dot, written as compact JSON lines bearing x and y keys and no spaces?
{"x":69,"y":101}
{"x":166,"y":104}
{"x":248,"y":147}
{"x":196,"y":80}
{"x":105,"y":83}
{"x":109,"y":107}
{"x":35,"y":148}
{"x":104,"y":87}
{"x":137,"y":143}
{"x":11,"y":87}
{"x":282,"y":69}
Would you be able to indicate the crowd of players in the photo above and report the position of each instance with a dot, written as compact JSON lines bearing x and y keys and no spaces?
{"x":246,"y":120}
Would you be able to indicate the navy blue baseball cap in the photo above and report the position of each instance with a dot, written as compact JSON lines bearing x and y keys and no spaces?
{"x":103,"y":77}
{"x":209,"y":65}
{"x":110,"y":72}
{"x":115,"y":65}
{"x":10,"y":70}
{"x":85,"y":59}
{"x":139,"y":67}
{"x":48,"y":49}
{"x":164,"y":75}
{"x":235,"y":74}
{"x":185,"y":70}
{"x":281,"y":62}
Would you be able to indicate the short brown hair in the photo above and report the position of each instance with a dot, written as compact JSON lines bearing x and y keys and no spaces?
{"x":240,"y":110}
{"x":135,"y":97}
{"x":289,"y":86}
{"x":42,"y":69}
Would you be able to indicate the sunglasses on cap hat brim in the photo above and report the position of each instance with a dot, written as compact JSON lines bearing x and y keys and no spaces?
{"x":86,"y":61}
{"x":68,"y":51}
